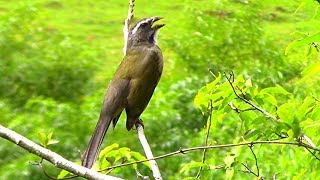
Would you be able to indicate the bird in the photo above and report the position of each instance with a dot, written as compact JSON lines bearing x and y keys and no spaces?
{"x":132,"y":85}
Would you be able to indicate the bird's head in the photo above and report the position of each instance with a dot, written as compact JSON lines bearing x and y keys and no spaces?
{"x":145,"y":31}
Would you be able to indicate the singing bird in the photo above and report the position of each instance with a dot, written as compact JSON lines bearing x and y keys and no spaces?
{"x":132,"y":85}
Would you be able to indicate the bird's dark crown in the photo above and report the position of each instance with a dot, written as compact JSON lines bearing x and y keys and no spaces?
{"x":144,"y":31}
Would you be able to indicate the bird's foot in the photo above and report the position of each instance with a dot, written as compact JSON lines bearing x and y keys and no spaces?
{"x":134,"y":122}
{"x":139,"y":122}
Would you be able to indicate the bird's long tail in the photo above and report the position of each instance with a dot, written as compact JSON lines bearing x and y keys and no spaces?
{"x":91,"y":153}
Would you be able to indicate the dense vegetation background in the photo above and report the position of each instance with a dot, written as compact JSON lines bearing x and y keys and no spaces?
{"x":57,"y":56}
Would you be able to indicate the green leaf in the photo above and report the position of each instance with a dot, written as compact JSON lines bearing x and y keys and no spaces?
{"x":108,"y":149}
{"x":191,"y":165}
{"x":275,"y":90}
{"x":52,"y":141}
{"x":63,"y":174}
{"x":303,"y":3}
{"x":309,"y":72}
{"x":204,"y":95}
{"x":286,"y":112}
{"x":270,"y":99}
{"x":211,"y":86}
{"x":49,"y":136}
{"x":230,"y":159}
{"x":137,"y":156}
{"x":305,"y":107}
{"x":43,"y":139}
{"x":303,"y":41}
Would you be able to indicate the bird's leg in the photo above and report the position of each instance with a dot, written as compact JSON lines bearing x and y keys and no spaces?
{"x":133,"y":122}
{"x":139,"y":121}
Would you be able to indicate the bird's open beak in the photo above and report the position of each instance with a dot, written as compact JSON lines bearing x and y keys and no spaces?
{"x":157,"y":26}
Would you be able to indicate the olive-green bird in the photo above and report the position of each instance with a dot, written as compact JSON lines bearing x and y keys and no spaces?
{"x":132,"y":84}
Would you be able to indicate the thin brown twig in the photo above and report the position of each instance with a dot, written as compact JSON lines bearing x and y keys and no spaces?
{"x":231,"y":81}
{"x":313,"y":154}
{"x":207,"y":138}
{"x":268,"y":115}
{"x":183,"y":151}
{"x":256,"y":160}
{"x":248,"y":170}
{"x":39,"y":163}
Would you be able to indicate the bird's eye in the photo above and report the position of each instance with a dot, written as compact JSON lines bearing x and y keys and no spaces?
{"x":144,"y":24}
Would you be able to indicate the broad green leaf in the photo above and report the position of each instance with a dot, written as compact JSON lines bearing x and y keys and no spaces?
{"x":309,"y":123}
{"x":251,"y":133}
{"x":137,"y":156}
{"x":229,"y":173}
{"x":286,"y":112}
{"x":305,"y":107}
{"x":191,"y":165}
{"x":108,"y":149}
{"x":124,"y":150}
{"x":309,"y":72}
{"x":270,"y":99}
{"x":49,"y":136}
{"x":315,"y":114}
{"x":52,"y":141}
{"x":43,"y":139}
{"x":211,"y":86}
{"x":230,"y":159}
{"x":202,"y":99}
{"x":303,"y":3}
{"x":63,"y":174}
{"x":247,"y":117}
{"x":275,"y":90}
{"x":300,"y":175}
{"x":134,"y":166}
{"x":303,"y":41}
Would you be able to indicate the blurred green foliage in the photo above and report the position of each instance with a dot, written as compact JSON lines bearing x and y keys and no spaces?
{"x":56,"y":58}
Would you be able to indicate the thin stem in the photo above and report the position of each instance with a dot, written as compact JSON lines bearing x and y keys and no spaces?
{"x":183,"y":151}
{"x":206,"y":139}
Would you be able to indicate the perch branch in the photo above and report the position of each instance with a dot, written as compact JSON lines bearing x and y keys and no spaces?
{"x":141,"y":136}
{"x":149,"y":155}
{"x":50,"y":156}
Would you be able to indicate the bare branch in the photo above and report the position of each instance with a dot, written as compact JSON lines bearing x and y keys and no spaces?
{"x":147,"y":150}
{"x":268,"y":115}
{"x":183,"y":151}
{"x":206,"y":140}
{"x":231,"y":81}
{"x":50,"y":156}
{"x":127,"y":24}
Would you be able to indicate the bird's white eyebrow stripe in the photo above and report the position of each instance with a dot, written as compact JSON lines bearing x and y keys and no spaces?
{"x":135,"y":29}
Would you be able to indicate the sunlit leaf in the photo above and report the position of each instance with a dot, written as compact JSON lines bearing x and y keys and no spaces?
{"x":52,"y":141}
{"x":303,"y":41}
{"x":310,"y":71}
{"x":286,"y":112}
{"x":108,"y":149}
{"x":303,"y":3}
{"x":63,"y":174}
{"x":191,"y":165}
{"x":43,"y":139}
{"x":275,"y":90}
{"x":137,"y":156}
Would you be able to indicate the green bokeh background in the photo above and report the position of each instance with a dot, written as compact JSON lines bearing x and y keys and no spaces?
{"x":57,"y":57}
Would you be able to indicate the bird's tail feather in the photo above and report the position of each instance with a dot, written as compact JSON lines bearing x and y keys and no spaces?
{"x":91,"y":153}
